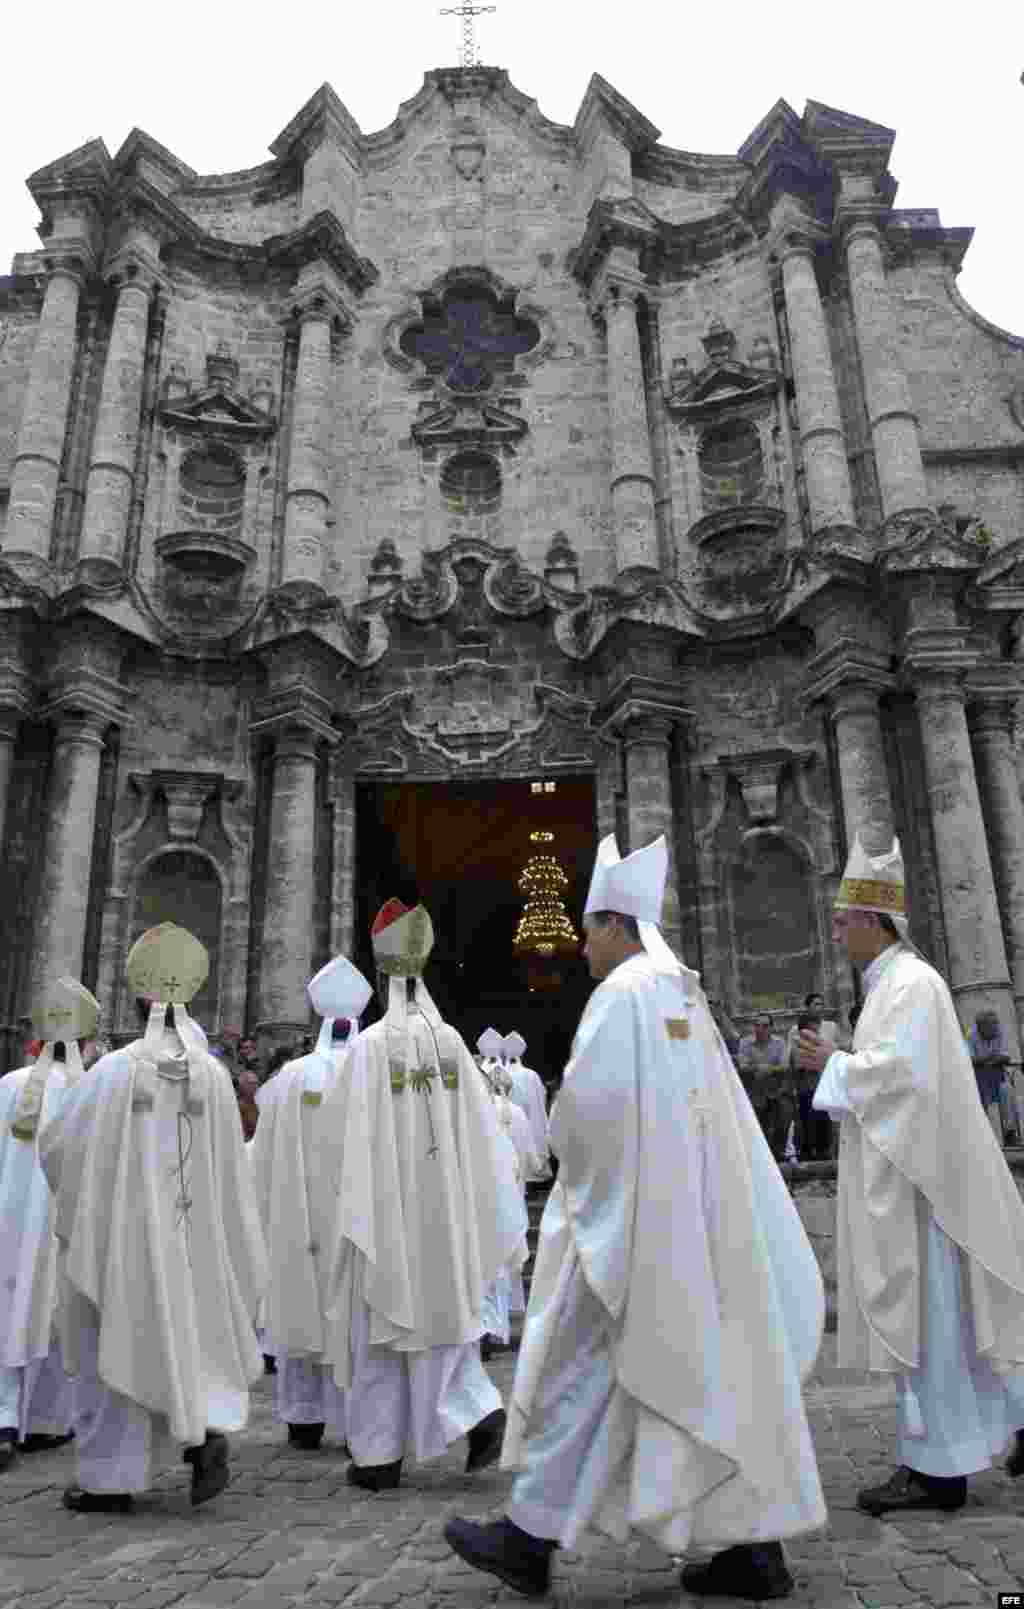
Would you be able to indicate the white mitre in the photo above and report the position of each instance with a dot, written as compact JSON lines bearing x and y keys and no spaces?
{"x":634,"y":887}
{"x":338,"y":990}
{"x":875,"y":883}
{"x":66,"y":1012}
{"x":490,"y":1044}
{"x":514,"y":1044}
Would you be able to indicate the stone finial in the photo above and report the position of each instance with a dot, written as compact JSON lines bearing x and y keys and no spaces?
{"x":719,"y":343}
{"x":222,"y":368}
{"x":762,"y":353}
{"x":176,"y":385}
{"x":385,"y":568}
{"x":561,"y":566}
{"x":262,"y":395}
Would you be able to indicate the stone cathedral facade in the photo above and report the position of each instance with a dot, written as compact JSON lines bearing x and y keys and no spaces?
{"x":482,"y":448}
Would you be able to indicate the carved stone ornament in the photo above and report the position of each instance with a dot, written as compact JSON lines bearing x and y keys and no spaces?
{"x":218,"y":407}
{"x":468,"y":157}
{"x":471,"y":716}
{"x":724,"y":383}
{"x":919,"y":541}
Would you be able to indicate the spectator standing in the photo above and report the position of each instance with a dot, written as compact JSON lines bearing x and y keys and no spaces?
{"x":761,"y":1061}
{"x":814,"y":1129}
{"x":989,"y":1051}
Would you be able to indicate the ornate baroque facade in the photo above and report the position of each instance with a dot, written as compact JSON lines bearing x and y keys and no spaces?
{"x":486,"y":447}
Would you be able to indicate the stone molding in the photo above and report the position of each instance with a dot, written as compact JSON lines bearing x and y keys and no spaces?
{"x":294,"y":708}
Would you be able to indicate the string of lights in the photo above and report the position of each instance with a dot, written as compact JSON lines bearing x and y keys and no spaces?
{"x":544,"y":926}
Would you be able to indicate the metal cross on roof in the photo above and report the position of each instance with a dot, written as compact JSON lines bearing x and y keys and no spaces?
{"x":467,"y":12}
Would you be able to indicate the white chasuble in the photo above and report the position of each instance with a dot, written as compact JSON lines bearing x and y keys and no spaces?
{"x":912,"y":1122}
{"x":529,"y":1095}
{"x":285,"y":1156}
{"x":28,"y":1250}
{"x":427,"y":1211}
{"x":671,"y":1209}
{"x":155,"y":1207}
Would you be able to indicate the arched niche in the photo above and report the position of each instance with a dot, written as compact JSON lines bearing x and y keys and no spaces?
{"x":773,"y":918}
{"x":183,"y":886}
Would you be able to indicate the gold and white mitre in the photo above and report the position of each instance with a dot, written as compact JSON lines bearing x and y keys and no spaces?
{"x":167,"y":966}
{"x":402,"y":939}
{"x":65,"y":1011}
{"x":338,"y":990}
{"x":875,"y":883}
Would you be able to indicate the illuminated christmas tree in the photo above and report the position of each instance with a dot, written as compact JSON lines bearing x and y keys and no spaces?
{"x":544,"y":926}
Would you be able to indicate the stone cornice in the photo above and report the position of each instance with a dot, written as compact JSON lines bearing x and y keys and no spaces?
{"x":296,"y":705}
{"x":89,"y":691}
{"x":80,"y":180}
{"x":843,"y":663}
{"x":612,"y":224}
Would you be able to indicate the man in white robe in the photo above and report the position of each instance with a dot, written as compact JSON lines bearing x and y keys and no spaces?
{"x":427,"y":1216}
{"x":530,"y":1096}
{"x":506,"y":1297}
{"x":929,"y":1224}
{"x":287,"y":1155}
{"x":165,"y":1262}
{"x":676,"y":1304}
{"x":36,"y":1396}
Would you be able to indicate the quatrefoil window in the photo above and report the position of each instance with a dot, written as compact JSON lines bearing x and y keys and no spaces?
{"x":469,"y":337}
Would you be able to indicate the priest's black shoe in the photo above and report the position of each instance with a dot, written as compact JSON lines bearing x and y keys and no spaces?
{"x":908,"y":1489}
{"x":749,"y":1570}
{"x":375,"y":1477}
{"x":38,"y":1443}
{"x":520,"y":1560}
{"x":210,"y":1472}
{"x":485,"y":1441}
{"x":80,"y":1502}
{"x":1015,"y":1462}
{"x":8,"y":1448}
{"x":308,"y":1437}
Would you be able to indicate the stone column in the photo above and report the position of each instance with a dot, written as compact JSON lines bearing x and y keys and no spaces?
{"x":40,"y":446}
{"x":632,"y":488}
{"x":646,"y":740}
{"x":306,"y":501}
{"x":287,"y":945}
{"x":974,"y":936}
{"x":826,"y":471}
{"x":901,"y":476}
{"x":67,"y":858}
{"x":863,"y":773}
{"x":108,"y":492}
{"x":990,"y":724}
{"x":10,"y":720}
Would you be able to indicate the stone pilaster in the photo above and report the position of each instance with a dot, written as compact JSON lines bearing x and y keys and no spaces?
{"x":40,"y":446}
{"x":632,"y":483}
{"x":10,"y":721}
{"x":991,"y":720}
{"x":826,"y":471}
{"x":646,"y":736}
{"x":901,"y":476}
{"x":287,"y":944}
{"x":108,"y":493}
{"x":343,"y":895}
{"x":67,"y":864}
{"x":307,"y":501}
{"x":977,"y":954}
{"x":863,"y":773}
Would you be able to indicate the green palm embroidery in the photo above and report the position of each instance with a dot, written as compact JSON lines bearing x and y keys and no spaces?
{"x":421,"y":1079}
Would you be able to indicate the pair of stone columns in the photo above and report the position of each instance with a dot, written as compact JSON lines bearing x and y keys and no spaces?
{"x":894,"y":431}
{"x":40,"y":446}
{"x":971,"y":911}
{"x":286,"y":952}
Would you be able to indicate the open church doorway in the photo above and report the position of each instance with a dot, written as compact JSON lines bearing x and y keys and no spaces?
{"x":461,"y":849}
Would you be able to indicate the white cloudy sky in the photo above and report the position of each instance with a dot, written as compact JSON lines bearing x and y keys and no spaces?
{"x":216,"y":81}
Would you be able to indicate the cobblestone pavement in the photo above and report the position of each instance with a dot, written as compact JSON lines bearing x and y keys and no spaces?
{"x":288,"y":1531}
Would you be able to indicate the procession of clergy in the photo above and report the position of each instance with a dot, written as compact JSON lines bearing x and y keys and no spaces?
{"x":374,"y":1232}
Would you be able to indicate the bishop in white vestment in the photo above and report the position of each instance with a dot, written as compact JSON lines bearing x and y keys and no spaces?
{"x":528,"y":1092}
{"x":427,"y":1215}
{"x":930,"y":1226}
{"x":506,"y":1296}
{"x":36,"y":1397}
{"x":676,"y":1304}
{"x":287,"y":1155}
{"x":165,"y":1262}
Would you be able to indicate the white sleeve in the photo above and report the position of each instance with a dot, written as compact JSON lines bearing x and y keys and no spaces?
{"x":831,"y":1095}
